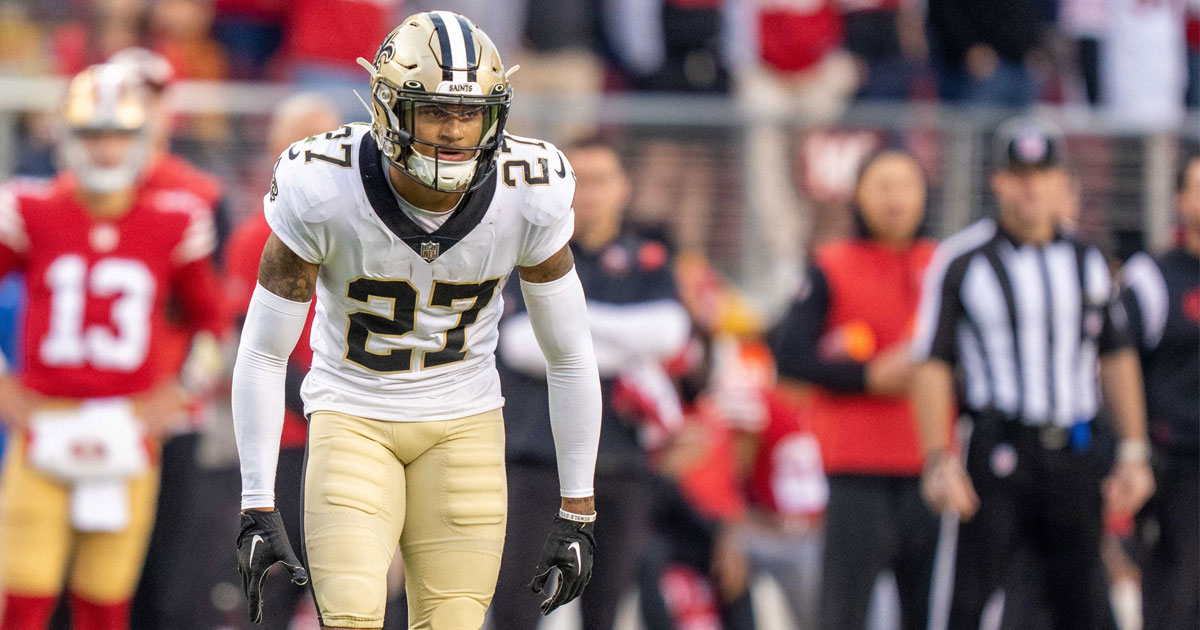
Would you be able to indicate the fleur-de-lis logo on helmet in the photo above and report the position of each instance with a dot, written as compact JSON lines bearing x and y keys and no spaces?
{"x":387,"y":50}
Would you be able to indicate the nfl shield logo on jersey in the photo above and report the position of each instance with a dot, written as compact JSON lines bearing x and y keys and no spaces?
{"x":430,"y":250}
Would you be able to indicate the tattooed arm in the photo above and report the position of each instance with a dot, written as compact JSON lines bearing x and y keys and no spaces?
{"x":274,"y":322}
{"x":284,"y":273}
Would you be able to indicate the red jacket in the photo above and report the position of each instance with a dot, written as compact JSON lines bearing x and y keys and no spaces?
{"x":874,"y":290}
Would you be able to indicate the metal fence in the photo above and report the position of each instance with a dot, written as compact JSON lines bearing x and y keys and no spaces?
{"x":751,"y":188}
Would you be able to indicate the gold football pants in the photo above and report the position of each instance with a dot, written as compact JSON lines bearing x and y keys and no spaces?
{"x":437,"y":488}
{"x":38,"y":544}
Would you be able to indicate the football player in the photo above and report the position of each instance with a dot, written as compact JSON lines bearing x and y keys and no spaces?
{"x":101,"y":253}
{"x":297,"y":117}
{"x":407,"y":230}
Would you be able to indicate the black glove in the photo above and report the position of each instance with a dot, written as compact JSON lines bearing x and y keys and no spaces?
{"x":566,"y":563}
{"x":261,"y":543}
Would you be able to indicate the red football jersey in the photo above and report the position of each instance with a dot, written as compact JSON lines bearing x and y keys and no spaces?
{"x":97,"y":289}
{"x":171,"y":172}
{"x":787,"y":478}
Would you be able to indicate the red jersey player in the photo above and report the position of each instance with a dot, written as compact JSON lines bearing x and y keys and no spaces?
{"x":101,"y":254}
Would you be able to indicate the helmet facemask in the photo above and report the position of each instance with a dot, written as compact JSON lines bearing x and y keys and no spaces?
{"x":398,"y":139}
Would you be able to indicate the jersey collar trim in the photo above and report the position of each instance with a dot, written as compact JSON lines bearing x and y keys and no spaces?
{"x":466,"y":218}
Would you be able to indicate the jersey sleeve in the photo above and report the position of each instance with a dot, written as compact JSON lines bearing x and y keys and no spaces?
{"x":549,"y":218}
{"x":199,"y":239}
{"x":14,"y":239}
{"x":284,"y":206}
{"x":940,"y":309}
{"x":199,"y":293}
{"x":1145,"y":300}
{"x":1114,"y":333}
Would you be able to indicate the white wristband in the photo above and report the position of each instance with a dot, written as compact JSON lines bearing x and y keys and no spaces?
{"x":578,"y":518}
{"x":1135,"y":451}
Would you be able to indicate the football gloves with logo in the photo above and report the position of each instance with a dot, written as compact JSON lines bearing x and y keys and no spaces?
{"x":261,"y":543}
{"x":566,"y":564}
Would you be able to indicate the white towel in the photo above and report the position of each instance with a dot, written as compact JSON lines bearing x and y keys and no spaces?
{"x":100,"y":439}
{"x":100,"y":505}
{"x":95,"y":448}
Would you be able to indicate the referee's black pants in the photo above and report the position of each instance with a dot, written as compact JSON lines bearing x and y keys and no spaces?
{"x":1040,"y":501}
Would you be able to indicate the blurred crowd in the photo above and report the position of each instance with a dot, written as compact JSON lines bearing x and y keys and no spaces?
{"x":1013,"y":53}
{"x":732,"y":445}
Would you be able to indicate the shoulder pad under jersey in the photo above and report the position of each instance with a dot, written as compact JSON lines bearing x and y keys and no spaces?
{"x":541,"y":172}
{"x":312,"y":174}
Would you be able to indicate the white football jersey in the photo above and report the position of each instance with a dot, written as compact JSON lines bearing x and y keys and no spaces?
{"x":405,"y":328}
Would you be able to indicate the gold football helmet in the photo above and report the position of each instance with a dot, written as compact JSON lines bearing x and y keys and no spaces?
{"x":441,"y":60}
{"x":105,"y":100}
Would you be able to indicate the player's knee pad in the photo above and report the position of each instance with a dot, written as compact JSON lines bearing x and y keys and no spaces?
{"x":457,"y":613}
{"x":350,"y":600}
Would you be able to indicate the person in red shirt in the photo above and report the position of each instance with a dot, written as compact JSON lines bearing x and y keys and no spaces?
{"x":787,"y":492}
{"x":301,"y":116}
{"x":101,"y":254}
{"x":847,"y":334}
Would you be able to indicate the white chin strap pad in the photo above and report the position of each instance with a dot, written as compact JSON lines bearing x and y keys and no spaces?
{"x":106,"y":180}
{"x":441,"y":174}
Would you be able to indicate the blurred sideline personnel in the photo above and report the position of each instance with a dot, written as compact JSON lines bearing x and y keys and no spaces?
{"x":298,"y":117}
{"x":1162,"y":297}
{"x":849,"y":335}
{"x":102,"y":253}
{"x":408,"y":230}
{"x":164,"y":579}
{"x":1027,"y":314}
{"x":635,"y":320}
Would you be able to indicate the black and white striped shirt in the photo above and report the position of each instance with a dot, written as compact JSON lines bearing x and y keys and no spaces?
{"x":1024,"y":324}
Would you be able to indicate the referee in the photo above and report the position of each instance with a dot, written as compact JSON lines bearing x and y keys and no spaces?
{"x":1026,"y":316}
